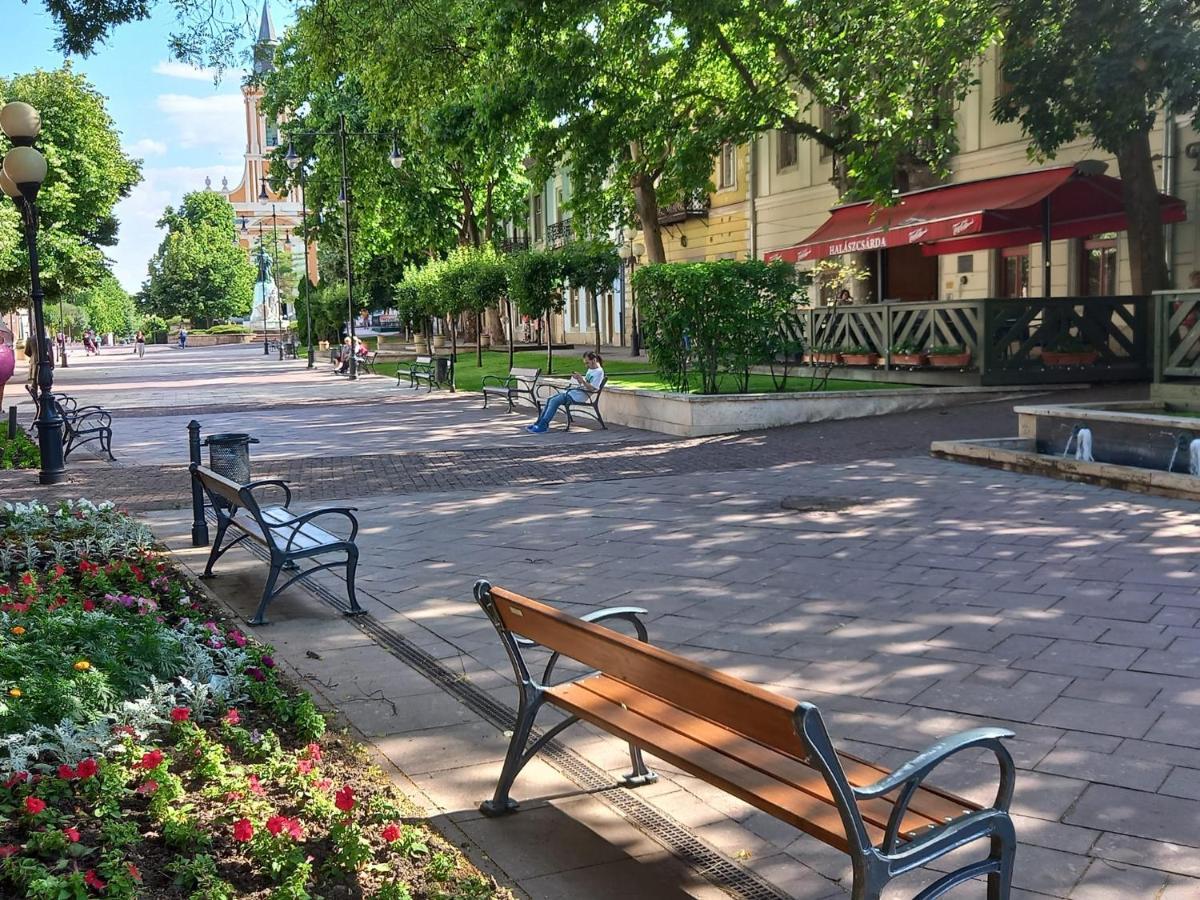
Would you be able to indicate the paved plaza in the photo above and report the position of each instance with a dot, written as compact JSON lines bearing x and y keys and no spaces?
{"x":914,"y":598}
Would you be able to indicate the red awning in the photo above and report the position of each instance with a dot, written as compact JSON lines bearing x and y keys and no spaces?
{"x":1006,"y":211}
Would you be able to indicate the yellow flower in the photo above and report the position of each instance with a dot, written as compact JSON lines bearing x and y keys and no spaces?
{"x":18,"y":630}
{"x":82,"y":666}
{"x":14,"y":692}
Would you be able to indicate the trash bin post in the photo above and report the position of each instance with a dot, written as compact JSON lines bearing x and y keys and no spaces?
{"x":199,"y":523}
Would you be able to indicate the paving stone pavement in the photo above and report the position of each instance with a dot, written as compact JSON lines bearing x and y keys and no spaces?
{"x":937,"y":597}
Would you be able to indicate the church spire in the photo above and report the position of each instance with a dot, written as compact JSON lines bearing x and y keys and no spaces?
{"x":264,"y":47}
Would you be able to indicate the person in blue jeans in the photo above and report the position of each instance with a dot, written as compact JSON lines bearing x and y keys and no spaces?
{"x":587,"y":383}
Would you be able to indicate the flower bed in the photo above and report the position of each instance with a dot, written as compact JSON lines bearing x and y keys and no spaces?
{"x":150,"y":749}
{"x":19,"y":452}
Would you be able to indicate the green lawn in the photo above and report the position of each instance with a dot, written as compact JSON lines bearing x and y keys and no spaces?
{"x":622,"y":372}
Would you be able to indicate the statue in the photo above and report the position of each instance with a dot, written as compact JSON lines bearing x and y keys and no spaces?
{"x":266,"y":292}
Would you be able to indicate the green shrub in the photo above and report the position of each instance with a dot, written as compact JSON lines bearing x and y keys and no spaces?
{"x":18,"y":453}
{"x":722,"y":316}
{"x":229,"y":329}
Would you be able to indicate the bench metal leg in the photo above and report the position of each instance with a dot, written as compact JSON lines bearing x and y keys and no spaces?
{"x":1004,"y":851}
{"x":640,"y":774}
{"x":351,"y":567}
{"x":217,"y":550}
{"x":268,"y":593}
{"x":516,"y":757}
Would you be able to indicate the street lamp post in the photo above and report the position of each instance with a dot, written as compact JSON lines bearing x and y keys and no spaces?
{"x":293,"y":160}
{"x":629,"y":252}
{"x":62,"y":329}
{"x":23,"y":172}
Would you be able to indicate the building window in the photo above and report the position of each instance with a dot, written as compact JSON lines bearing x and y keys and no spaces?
{"x":575,"y":317}
{"x":728,"y":177}
{"x":272,"y":134}
{"x":539,"y":218}
{"x":1098,"y":265}
{"x":1014,"y":272}
{"x":789,"y":151}
{"x":826,"y":128}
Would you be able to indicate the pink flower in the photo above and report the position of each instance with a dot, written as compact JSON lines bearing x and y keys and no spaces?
{"x":33,"y":805}
{"x":17,"y":778}
{"x":256,"y":786}
{"x":314,"y":752}
{"x":242,"y":830}
{"x":282,"y":824}
{"x":391,"y":832}
{"x":72,"y":834}
{"x":87,"y":768}
{"x":134,"y":872}
{"x":93,"y":880}
{"x":180,"y":714}
{"x":304,"y":766}
{"x":235,"y":637}
{"x":324,"y":784}
{"x":344,"y":799}
{"x":232,"y":717}
{"x":147,"y":787}
{"x":9,"y":850}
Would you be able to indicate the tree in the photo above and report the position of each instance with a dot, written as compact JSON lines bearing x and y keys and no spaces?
{"x":88,"y":174}
{"x":1105,"y":70}
{"x":535,"y":286}
{"x":591,"y":266}
{"x":197,"y":271}
{"x":106,"y":306}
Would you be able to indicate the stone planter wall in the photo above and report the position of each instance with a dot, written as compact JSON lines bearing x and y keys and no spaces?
{"x":213,"y":340}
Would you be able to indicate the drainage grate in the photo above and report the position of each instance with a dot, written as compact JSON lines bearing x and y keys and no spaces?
{"x":810,"y":503}
{"x":713,"y":866}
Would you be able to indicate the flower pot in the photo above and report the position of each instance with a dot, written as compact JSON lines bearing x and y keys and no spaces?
{"x":909,"y":359}
{"x":485,"y":341}
{"x":950,"y":360}
{"x":824,"y":358}
{"x":1060,"y":358}
{"x":439,"y":342}
{"x":860,"y":359}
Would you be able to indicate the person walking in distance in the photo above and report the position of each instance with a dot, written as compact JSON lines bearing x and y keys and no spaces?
{"x":139,"y":344}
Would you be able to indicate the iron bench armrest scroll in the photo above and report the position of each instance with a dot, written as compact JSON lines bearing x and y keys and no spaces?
{"x":508,"y":382}
{"x":271,"y":482}
{"x":628,"y":613}
{"x":910,"y":775}
{"x":299,"y":522}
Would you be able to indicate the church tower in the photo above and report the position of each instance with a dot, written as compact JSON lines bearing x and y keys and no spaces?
{"x":275,"y":217}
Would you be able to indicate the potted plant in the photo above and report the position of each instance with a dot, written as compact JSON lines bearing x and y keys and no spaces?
{"x":857,"y":355}
{"x":907,"y":353}
{"x":948,"y":356}
{"x":1069,"y":350}
{"x":822,"y":355}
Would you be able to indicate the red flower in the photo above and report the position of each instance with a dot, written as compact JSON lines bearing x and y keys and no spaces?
{"x":66,"y":773}
{"x":180,"y":714}
{"x":17,"y":778}
{"x":134,"y":872}
{"x":150,"y":760}
{"x":5,"y":590}
{"x":93,"y":880}
{"x":304,"y":766}
{"x":88,"y":605}
{"x":9,"y":850}
{"x":391,"y":832}
{"x":86,"y":768}
{"x":127,"y":730}
{"x":59,"y":571}
{"x":137,"y":573}
{"x":256,"y":786}
{"x":27,"y":579}
{"x":344,"y":799}
{"x":232,"y":717}
{"x":314,"y":752}
{"x":72,"y":834}
{"x":147,"y":787}
{"x":33,"y":805}
{"x":242,"y":830}
{"x":278,"y":824}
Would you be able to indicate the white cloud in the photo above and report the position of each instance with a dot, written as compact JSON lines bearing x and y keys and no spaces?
{"x":139,"y":236}
{"x":174,"y":69}
{"x":146,"y":147}
{"x":213,"y":121}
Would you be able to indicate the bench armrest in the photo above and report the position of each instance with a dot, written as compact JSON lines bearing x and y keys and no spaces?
{"x":84,"y":413}
{"x":910,"y":775}
{"x":299,"y":522}
{"x":500,"y":381}
{"x":628,"y":613}
{"x":272,"y":482}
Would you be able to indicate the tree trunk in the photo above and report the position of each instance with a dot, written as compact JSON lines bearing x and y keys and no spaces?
{"x":645,"y":201}
{"x":512,"y":332}
{"x":489,"y":213}
{"x":479,"y":340}
{"x":594,"y":300}
{"x":549,"y":348}
{"x":491,"y":323}
{"x":1139,"y":190}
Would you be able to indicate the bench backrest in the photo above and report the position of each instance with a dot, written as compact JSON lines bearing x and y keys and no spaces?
{"x":741,"y":706}
{"x":524,"y":374}
{"x":234,"y":494}
{"x":424,"y":360}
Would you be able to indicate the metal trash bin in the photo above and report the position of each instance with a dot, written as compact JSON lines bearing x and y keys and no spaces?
{"x":229,"y":455}
{"x":441,"y":369}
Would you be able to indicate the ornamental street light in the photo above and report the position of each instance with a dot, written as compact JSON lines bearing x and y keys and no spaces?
{"x":396,"y":158}
{"x":293,"y":162}
{"x":24,"y":170}
{"x":629,"y":251}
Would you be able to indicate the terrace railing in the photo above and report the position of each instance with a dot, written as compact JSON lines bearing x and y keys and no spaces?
{"x":1017,"y":341}
{"x":1177,"y":335}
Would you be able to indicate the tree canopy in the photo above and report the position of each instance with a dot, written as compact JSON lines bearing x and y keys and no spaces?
{"x":88,"y":174}
{"x":198,"y":271}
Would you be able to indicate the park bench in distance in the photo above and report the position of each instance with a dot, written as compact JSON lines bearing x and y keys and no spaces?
{"x":759,"y":746}
{"x":519,"y":383}
{"x":366,"y":362}
{"x":590,"y":406}
{"x":286,"y":536}
{"x":420,"y":369}
{"x":81,"y":424}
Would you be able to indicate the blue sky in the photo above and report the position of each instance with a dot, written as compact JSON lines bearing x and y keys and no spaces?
{"x":171,"y":116}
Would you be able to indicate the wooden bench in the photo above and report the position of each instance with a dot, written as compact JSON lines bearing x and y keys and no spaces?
{"x":287,"y":536}
{"x":81,"y":424}
{"x":519,"y":383}
{"x":770,"y":751}
{"x":588,"y":406}
{"x":420,"y":369}
{"x":366,"y":362}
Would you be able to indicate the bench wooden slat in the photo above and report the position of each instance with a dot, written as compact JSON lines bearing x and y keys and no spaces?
{"x":746,"y":708}
{"x":782,"y":766}
{"x":813,"y":816}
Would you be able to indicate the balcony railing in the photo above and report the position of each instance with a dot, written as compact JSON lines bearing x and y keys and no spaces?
{"x":559,"y":233}
{"x":692,"y":208}
{"x":511,"y":244}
